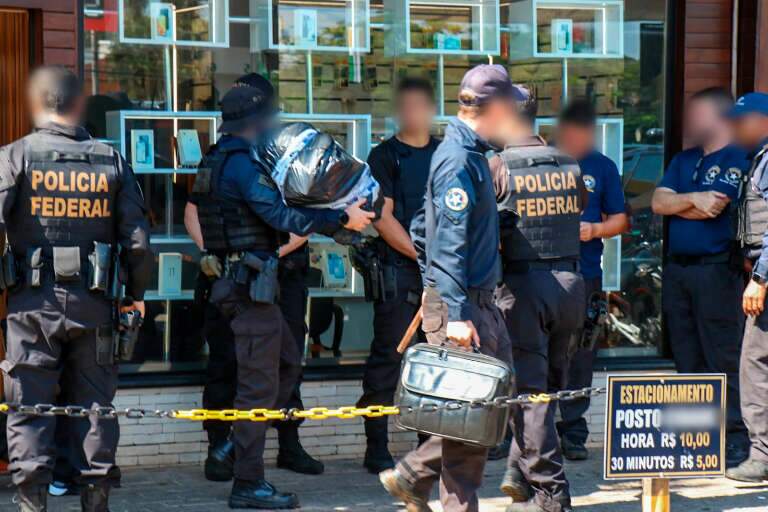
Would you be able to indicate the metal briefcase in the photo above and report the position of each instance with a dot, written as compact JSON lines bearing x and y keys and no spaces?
{"x":446,"y":377}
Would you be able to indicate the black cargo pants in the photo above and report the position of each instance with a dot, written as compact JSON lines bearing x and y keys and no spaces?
{"x":459,"y":466}
{"x":51,"y":358}
{"x":390,"y":321}
{"x":573,"y":425}
{"x":703,"y":314}
{"x":544,"y":311}
{"x":268,"y":365}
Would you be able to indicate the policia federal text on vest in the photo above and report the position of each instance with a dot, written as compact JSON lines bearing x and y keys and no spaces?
{"x":67,"y":203}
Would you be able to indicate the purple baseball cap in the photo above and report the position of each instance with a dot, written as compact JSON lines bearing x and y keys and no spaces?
{"x":487,"y":82}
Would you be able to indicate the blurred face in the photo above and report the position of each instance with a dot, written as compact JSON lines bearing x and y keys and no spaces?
{"x":750,"y":130}
{"x":500,"y":123}
{"x":415,"y":112}
{"x":703,"y":121}
{"x":575,"y":139}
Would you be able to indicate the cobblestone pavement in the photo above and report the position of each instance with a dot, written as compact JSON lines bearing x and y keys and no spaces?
{"x":346,"y":487}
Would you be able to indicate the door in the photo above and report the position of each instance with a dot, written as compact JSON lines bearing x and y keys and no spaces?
{"x":14,"y":68}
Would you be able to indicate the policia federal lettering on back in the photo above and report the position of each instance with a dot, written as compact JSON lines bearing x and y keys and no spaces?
{"x":67,"y":202}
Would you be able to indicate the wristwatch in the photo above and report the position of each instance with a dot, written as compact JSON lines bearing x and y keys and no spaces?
{"x":759,"y":279}
{"x":343,"y":219}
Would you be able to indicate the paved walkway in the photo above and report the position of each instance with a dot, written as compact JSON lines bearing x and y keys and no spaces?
{"x":346,"y":487}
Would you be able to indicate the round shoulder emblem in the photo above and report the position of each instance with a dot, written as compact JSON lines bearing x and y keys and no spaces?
{"x":456,"y":199}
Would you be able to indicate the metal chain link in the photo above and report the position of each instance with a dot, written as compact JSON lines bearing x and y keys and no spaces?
{"x":315,"y":413}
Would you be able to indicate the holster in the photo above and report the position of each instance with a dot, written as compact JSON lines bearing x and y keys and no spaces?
{"x":9,"y":276}
{"x":127,"y":336}
{"x":264,"y":286}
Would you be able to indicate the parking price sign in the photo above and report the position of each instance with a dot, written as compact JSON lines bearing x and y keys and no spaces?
{"x":665,"y":426}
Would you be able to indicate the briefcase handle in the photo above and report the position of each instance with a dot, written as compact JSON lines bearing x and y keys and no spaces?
{"x":412,"y":328}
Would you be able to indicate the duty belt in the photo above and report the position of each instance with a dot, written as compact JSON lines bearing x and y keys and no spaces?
{"x":707,"y":259}
{"x":523,"y":266}
{"x":481,"y":297}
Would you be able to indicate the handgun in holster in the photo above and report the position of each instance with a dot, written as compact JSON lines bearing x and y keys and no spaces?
{"x":597,"y":315}
{"x":129,"y":324}
{"x":263,"y":288}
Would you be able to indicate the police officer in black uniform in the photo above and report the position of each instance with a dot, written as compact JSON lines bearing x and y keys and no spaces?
{"x":219,"y":390}
{"x":400,"y":164}
{"x":456,"y":235}
{"x":241,"y":215}
{"x":541,"y":196}
{"x":66,"y":198}
{"x":750,"y":116}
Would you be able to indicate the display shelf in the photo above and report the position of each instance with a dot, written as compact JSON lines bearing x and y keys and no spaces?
{"x":314,"y":25}
{"x":610,"y":142}
{"x":451,"y":27}
{"x":339,"y":279}
{"x":164,"y":126}
{"x":580,"y":29}
{"x":203,"y":23}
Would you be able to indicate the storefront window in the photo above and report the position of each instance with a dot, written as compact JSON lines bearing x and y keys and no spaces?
{"x":156,"y":71}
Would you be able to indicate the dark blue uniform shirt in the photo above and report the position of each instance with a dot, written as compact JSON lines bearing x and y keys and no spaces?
{"x":244,"y":180}
{"x":603,"y":183}
{"x":457,"y":240}
{"x":692,"y":171}
{"x":760,"y":181}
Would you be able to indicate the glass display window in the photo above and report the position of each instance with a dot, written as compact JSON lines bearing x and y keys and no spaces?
{"x":468,"y":27}
{"x":174,"y":22}
{"x":317,"y":25}
{"x":566,"y":28}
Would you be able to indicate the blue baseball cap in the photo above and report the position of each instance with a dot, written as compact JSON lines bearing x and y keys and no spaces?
{"x":752,"y":103}
{"x":243,"y":106}
{"x":487,"y":82}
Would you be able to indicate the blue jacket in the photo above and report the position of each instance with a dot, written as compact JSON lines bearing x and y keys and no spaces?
{"x":456,"y":233}
{"x":242,"y":179}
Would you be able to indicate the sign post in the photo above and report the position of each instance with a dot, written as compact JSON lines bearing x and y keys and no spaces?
{"x":660,"y":427}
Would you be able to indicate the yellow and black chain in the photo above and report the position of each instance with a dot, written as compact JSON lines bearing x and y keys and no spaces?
{"x":315,"y":413}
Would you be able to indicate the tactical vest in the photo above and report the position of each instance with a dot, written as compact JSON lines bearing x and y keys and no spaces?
{"x":228,"y":225}
{"x":752,"y":211}
{"x":66,"y":197}
{"x":541,"y":212}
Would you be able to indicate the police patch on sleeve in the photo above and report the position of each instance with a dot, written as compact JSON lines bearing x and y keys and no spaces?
{"x":456,"y":199}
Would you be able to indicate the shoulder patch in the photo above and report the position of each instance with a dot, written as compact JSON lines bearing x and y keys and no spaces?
{"x":456,"y":199}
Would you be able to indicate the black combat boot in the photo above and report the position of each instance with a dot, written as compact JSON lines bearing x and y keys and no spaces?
{"x":260,"y":494}
{"x":377,"y":456}
{"x":573,"y":450}
{"x":292,"y":455}
{"x":219,"y":466}
{"x":398,"y":487}
{"x":94,"y":498}
{"x":32,"y":498}
{"x":751,"y":470}
{"x":515,"y":485}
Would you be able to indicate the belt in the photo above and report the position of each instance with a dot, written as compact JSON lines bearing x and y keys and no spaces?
{"x":707,"y":259}
{"x":480,"y":297}
{"x":523,"y":266}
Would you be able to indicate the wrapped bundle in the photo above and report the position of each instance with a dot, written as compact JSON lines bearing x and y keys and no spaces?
{"x":312,"y":170}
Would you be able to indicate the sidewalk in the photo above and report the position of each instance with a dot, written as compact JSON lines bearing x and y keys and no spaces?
{"x":346,"y":487}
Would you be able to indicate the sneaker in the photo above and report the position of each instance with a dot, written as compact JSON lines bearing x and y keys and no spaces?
{"x":515,"y":485}
{"x":751,"y":471}
{"x":58,"y":488}
{"x":398,"y":487}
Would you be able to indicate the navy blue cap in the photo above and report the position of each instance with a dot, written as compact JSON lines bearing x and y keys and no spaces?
{"x":752,"y":103}
{"x":243,"y":106}
{"x":487,"y":82}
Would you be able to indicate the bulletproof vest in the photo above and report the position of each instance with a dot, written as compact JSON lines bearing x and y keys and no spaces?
{"x":66,"y":197}
{"x":228,"y":225}
{"x":541,"y":210}
{"x":753,"y":210}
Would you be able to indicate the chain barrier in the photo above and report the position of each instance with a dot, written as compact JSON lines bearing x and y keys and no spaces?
{"x":315,"y":413}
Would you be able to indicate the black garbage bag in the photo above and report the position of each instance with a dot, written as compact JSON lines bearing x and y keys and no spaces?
{"x":312,"y":170}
